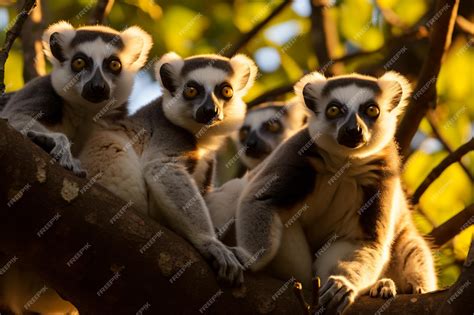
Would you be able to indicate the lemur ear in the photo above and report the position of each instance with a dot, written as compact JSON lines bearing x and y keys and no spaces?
{"x":167,"y":71}
{"x":245,"y":72}
{"x":309,"y":89}
{"x":137,"y":45}
{"x":55,"y":41}
{"x":396,"y":91}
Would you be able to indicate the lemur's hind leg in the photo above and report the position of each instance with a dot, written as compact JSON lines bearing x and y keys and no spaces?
{"x":109,"y":157}
{"x":412,"y":266}
{"x":270,"y":245}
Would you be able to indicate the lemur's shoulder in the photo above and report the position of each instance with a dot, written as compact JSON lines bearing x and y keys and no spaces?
{"x":287,"y":176}
{"x":37,"y":99}
{"x":168,"y":138}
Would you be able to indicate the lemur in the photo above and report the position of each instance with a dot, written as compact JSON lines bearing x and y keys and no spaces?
{"x":329,"y":200}
{"x":265,"y":127}
{"x":92,"y":77}
{"x":93,"y":73}
{"x":162,"y":157}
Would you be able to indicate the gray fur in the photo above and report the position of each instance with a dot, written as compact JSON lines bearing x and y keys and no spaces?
{"x":345,"y":206}
{"x":162,"y":159}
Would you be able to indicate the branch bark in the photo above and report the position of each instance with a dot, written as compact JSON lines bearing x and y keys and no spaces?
{"x":12,"y":33}
{"x":34,"y":63}
{"x":425,"y":95}
{"x":455,"y":225}
{"x":101,"y":11}
{"x":254,"y":31}
{"x":439,"y":169}
{"x":130,"y":262}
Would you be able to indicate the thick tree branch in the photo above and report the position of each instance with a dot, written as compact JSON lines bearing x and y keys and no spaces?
{"x":424,"y":97}
{"x":455,"y":225}
{"x":12,"y":33}
{"x":34,"y":63}
{"x":101,"y":11}
{"x":44,"y":209}
{"x":439,"y":169}
{"x":254,"y":31}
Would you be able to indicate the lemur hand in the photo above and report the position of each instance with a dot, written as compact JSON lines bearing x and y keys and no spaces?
{"x":337,"y":294}
{"x":223,"y":260}
{"x":59,"y":147}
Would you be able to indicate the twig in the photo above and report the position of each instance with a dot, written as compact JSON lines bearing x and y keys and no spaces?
{"x":445,"y":163}
{"x":465,"y":25}
{"x":34,"y":63}
{"x":425,"y":95}
{"x":101,"y":11}
{"x":298,"y":289}
{"x":249,"y":35}
{"x":446,"y":146}
{"x":391,"y":17}
{"x":315,"y":300}
{"x":455,"y":225}
{"x":12,"y":34}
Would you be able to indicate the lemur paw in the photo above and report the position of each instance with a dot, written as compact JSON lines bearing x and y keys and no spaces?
{"x":384,"y":288}
{"x":59,"y":148}
{"x":224,"y":261}
{"x":338,"y":294}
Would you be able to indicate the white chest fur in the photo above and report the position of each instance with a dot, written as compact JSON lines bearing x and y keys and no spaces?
{"x":336,"y":200}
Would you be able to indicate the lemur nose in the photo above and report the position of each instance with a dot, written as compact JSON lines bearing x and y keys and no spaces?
{"x":98,"y":87}
{"x":356,"y":130}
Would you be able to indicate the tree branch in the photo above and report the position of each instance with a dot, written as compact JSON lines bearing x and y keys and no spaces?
{"x":101,"y":11}
{"x":455,"y":225}
{"x":416,"y":34}
{"x":34,"y":63}
{"x":446,"y":146}
{"x":459,"y":298}
{"x":45,"y":209}
{"x":465,"y":25}
{"x":424,"y":97}
{"x":324,"y":35}
{"x":12,"y":34}
{"x":439,"y":169}
{"x":254,"y":31}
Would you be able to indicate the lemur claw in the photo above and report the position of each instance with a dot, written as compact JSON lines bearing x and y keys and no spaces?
{"x":384,"y":288}
{"x":59,"y":148}
{"x":228,"y":267}
{"x":337,"y":294}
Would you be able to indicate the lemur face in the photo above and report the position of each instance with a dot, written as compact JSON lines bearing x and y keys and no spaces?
{"x":205,"y":91}
{"x":265,"y":127}
{"x":95,"y":65}
{"x":353,"y":115}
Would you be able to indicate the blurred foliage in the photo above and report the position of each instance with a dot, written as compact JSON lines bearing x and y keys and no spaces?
{"x":191,"y":27}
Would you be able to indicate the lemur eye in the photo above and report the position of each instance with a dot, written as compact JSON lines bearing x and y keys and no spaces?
{"x":333,"y":111}
{"x":243,"y":134}
{"x":372,"y":111}
{"x":190,"y":92}
{"x":273,"y":126}
{"x":227,"y":92}
{"x":115,"y":65}
{"x":78,"y":64}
